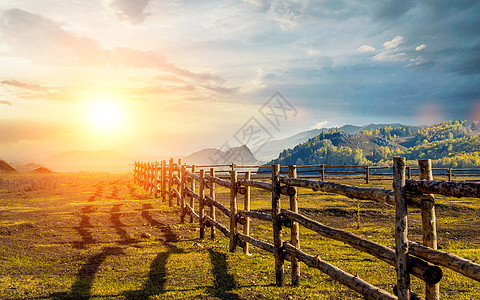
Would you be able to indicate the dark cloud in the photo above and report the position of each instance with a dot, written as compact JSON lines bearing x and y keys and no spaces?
{"x":4,"y":102}
{"x":130,"y":10}
{"x":392,"y":9}
{"x":13,"y":131}
{"x":27,"y":86}
{"x":467,"y":61}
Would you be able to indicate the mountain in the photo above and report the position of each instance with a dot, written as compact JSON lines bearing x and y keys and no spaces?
{"x":6,"y":168}
{"x":271,"y":149}
{"x":448,"y":144}
{"x":238,"y":155}
{"x":90,"y":161}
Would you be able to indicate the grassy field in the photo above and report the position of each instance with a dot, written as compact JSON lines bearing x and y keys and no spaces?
{"x":97,"y":236}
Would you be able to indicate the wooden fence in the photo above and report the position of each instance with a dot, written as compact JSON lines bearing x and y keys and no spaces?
{"x":177,"y":183}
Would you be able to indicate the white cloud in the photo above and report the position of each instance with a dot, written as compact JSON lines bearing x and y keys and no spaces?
{"x":365,"y":48}
{"x":393,"y":43}
{"x":320,"y":125}
{"x":391,"y":56}
{"x":420,"y":47}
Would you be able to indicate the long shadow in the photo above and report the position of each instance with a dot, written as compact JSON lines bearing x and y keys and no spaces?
{"x":81,"y":288}
{"x":224,"y":281}
{"x":115,"y":215}
{"x":157,"y":277}
{"x":82,"y":229}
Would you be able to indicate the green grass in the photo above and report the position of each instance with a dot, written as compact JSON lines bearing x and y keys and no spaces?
{"x":66,"y":244}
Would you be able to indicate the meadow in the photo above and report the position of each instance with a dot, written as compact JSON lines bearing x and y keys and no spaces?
{"x":99,"y":236}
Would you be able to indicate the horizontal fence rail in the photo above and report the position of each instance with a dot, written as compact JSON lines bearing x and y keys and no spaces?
{"x":193,"y":188}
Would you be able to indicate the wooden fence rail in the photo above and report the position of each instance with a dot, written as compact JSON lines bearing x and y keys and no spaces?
{"x":174,"y":180}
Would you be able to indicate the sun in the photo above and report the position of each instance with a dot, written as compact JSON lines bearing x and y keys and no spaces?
{"x":105,"y":115}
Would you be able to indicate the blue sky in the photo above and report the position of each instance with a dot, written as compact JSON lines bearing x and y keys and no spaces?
{"x":184,"y":75}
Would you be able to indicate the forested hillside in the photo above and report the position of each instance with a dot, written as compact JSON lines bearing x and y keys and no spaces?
{"x":448,"y":144}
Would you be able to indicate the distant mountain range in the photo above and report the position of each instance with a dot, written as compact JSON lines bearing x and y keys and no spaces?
{"x":271,"y":149}
{"x":238,"y":155}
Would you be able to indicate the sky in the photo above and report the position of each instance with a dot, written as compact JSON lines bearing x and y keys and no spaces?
{"x":151,"y":77}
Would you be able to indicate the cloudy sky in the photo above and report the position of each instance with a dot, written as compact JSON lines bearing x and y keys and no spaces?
{"x":148,"y":77}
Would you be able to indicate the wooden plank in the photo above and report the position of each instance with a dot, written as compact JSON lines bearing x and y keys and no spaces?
{"x":453,"y":262}
{"x":219,"y":181}
{"x":257,"y":243}
{"x":351,"y":281}
{"x":401,"y":229}
{"x":192,"y":212}
{"x":255,"y":215}
{"x":218,"y":205}
{"x":454,"y":189}
{"x":419,"y":268}
{"x":219,"y":226}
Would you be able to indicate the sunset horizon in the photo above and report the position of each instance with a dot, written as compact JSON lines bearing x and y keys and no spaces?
{"x":148,"y":78}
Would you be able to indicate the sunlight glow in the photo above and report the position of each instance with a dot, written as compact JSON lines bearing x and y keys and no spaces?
{"x":105,"y":115}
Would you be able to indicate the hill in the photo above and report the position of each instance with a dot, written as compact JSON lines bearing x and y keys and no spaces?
{"x":238,"y":155}
{"x":6,"y":168}
{"x":448,"y":144}
{"x":272,"y":149}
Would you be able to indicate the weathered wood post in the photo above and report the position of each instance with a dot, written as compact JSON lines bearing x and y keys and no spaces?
{"x":164,"y":180}
{"x":192,"y":198}
{"x":409,"y":172}
{"x":179,"y":176}
{"x":246,"y":207}
{"x":449,"y":174}
{"x":401,"y":229}
{"x":432,"y":292}
{"x":294,"y":229}
{"x":182,"y":193}
{"x":323,"y":172}
{"x":201,"y":204}
{"x":170,"y":186}
{"x":212,"y":207}
{"x":367,"y":174}
{"x":155,"y":181}
{"x":135,"y":172}
{"x":277,"y":228}
{"x":233,"y":210}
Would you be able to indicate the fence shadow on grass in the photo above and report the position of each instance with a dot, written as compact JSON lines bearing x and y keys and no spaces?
{"x":81,"y":288}
{"x":83,"y":228}
{"x":223,"y":281}
{"x":115,"y":215}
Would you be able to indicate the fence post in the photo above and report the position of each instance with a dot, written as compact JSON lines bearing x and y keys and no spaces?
{"x":212,"y":207}
{"x":182,"y":194}
{"x":192,"y":199}
{"x":277,"y":228}
{"x":178,"y":185}
{"x":155,"y":181}
{"x":170,"y":186}
{"x":294,"y":229}
{"x":323,"y":172}
{"x":246,"y":207}
{"x":432,"y":291}
{"x":164,"y":180}
{"x":409,"y":172}
{"x":367,"y":174}
{"x":401,"y":229}
{"x":201,"y":204}
{"x":233,"y":210}
{"x":449,"y":174}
